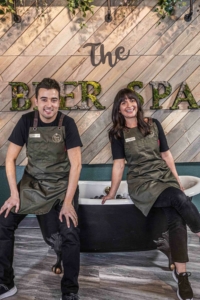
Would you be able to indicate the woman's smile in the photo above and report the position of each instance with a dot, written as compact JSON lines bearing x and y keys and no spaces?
{"x":128,"y":108}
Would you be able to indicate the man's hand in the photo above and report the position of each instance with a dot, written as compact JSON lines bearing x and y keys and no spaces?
{"x":9,"y":204}
{"x":69,"y":212}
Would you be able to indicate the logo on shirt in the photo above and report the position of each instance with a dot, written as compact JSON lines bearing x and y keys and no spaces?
{"x":56,"y":138}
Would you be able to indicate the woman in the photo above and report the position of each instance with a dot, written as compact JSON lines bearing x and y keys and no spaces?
{"x":152,"y":178}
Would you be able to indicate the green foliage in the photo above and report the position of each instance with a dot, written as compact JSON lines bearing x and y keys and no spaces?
{"x":20,"y":90}
{"x":167,"y":7}
{"x":156,"y":93}
{"x":6,"y":6}
{"x":93,"y":96}
{"x":82,"y":5}
{"x":188,"y":97}
{"x":72,"y":5}
{"x":139,"y":84}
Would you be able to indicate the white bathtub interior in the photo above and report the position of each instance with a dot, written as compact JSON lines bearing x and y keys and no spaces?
{"x":89,"y":189}
{"x":191,"y":185}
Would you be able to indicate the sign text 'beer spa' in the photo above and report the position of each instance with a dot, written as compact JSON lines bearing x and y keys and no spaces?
{"x":20,"y":93}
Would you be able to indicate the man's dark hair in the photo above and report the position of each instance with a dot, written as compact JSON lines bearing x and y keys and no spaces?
{"x":47,"y":83}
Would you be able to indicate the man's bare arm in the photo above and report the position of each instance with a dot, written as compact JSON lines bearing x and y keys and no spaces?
{"x":68,"y":210}
{"x":13,"y":200}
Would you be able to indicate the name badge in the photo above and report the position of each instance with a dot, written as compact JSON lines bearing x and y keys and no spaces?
{"x":34,"y":135}
{"x":130,"y":139}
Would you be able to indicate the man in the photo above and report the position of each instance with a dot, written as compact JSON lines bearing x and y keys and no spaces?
{"x":48,"y":187}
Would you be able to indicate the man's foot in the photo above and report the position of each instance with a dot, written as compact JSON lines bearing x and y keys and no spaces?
{"x":71,"y":296}
{"x":184,"y":291}
{"x":5,"y":292}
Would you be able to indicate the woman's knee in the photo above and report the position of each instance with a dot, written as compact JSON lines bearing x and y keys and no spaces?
{"x":174,"y":218}
{"x":180,"y":199}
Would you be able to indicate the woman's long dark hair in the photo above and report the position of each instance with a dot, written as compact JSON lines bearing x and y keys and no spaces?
{"x":118,"y":119}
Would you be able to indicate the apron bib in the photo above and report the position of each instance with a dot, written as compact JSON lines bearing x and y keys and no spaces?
{"x":148,"y":175}
{"x":46,"y":175}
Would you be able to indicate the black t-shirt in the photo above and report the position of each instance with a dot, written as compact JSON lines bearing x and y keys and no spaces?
{"x":20,"y":133}
{"x":117,"y":145}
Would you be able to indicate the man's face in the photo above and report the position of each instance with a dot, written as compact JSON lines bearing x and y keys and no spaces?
{"x":48,"y":103}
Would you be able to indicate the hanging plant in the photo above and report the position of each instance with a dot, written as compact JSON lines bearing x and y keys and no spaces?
{"x":6,"y":6}
{"x":164,"y":7}
{"x":82,"y":5}
{"x":167,"y":7}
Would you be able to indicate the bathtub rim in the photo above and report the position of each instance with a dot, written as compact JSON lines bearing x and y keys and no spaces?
{"x":86,"y":201}
{"x":190,"y":192}
{"x":194,"y":190}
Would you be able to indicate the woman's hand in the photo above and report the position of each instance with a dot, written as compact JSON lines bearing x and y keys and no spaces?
{"x":167,"y":157}
{"x":117,"y":172}
{"x":108,"y":197}
{"x":181,"y":186}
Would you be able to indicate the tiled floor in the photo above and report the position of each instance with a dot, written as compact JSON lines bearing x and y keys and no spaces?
{"x":103,"y":276}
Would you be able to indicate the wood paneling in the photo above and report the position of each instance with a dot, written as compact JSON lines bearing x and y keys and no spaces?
{"x":49,"y":43}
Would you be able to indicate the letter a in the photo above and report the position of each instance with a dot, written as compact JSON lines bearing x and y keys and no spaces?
{"x":185,"y":90}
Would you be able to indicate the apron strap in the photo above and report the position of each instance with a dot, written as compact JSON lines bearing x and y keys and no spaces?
{"x":35,"y":121}
{"x":61,"y":121}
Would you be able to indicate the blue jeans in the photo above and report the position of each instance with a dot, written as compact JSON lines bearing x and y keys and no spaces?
{"x":179,"y":211}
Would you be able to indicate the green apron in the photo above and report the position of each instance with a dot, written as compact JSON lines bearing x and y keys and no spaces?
{"x":148,"y":175}
{"x":46,"y":175}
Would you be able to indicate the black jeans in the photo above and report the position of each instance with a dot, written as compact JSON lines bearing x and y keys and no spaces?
{"x":180,"y":211}
{"x":50,"y":225}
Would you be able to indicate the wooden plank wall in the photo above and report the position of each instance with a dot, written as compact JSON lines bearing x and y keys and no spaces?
{"x":49,"y":43}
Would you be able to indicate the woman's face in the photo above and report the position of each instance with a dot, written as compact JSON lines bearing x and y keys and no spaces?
{"x":128,"y":108}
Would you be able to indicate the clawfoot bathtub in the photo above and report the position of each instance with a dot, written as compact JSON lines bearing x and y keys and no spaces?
{"x":118,"y":225}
